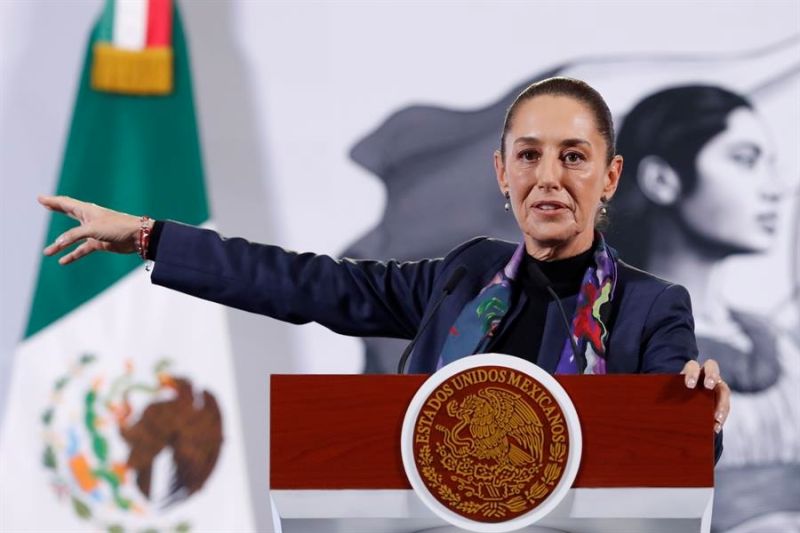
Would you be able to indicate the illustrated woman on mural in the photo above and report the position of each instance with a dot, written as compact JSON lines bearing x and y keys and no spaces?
{"x":557,"y":169}
{"x":700,"y":185}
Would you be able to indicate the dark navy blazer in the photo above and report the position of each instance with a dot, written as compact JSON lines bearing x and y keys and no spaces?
{"x":651,"y":325}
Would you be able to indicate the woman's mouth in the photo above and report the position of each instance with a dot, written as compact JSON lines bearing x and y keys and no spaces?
{"x":549,"y":207}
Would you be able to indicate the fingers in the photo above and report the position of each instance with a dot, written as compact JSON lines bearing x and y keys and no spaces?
{"x":712,"y":380}
{"x":723,"y":407}
{"x":67,"y":239}
{"x":691,"y":373}
{"x":109,"y":230}
{"x":711,"y":372}
{"x":62,"y":204}
{"x":81,"y":251}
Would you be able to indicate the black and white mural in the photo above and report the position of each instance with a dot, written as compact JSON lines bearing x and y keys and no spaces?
{"x":705,"y":183}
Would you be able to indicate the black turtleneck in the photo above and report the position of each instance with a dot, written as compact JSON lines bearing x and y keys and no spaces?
{"x":523,"y":336}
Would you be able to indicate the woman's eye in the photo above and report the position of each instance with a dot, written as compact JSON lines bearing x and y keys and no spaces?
{"x":573,"y":157}
{"x":746,"y":155}
{"x":528,"y":155}
{"x":745,"y":159}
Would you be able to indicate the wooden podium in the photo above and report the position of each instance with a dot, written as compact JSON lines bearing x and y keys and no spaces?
{"x":647,"y":463}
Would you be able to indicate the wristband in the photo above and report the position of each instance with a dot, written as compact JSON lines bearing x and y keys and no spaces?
{"x":143,"y":240}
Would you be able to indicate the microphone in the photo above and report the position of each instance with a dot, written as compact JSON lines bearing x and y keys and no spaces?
{"x":543,"y":281}
{"x":454,"y":279}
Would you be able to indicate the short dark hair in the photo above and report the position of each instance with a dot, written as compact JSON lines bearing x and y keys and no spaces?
{"x":577,"y":89}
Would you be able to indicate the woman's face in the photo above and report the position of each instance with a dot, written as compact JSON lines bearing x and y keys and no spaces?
{"x":736,"y":199}
{"x":555,"y":172}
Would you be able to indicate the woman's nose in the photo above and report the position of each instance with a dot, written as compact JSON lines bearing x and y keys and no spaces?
{"x":774,"y":186}
{"x":549,"y":172}
{"x":775,"y":189}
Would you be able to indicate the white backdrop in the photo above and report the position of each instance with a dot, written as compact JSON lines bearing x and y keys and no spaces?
{"x":283,"y":90}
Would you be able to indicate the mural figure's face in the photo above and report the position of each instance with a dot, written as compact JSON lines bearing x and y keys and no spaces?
{"x":556,"y":173}
{"x":736,"y":199}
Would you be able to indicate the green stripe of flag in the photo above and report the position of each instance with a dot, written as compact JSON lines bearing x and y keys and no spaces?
{"x":135,"y":154}
{"x":105,"y":27}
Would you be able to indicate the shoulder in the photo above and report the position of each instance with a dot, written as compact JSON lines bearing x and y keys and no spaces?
{"x":480,"y":252}
{"x":631,"y":274}
{"x":644,"y":282}
{"x":646,"y":294}
{"x":480,"y":257}
{"x":484,"y":245}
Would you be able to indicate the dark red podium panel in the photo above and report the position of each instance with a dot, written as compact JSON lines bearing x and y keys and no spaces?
{"x":343,"y":431}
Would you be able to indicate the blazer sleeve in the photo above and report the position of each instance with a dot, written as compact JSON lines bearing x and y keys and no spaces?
{"x":668,"y":338}
{"x":363,"y":298}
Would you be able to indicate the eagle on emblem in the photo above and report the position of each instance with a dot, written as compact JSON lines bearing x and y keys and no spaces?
{"x":502,"y":427}
{"x":189,"y":425}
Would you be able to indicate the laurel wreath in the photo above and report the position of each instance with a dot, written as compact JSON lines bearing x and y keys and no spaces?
{"x":475,"y":479}
{"x":552,"y":472}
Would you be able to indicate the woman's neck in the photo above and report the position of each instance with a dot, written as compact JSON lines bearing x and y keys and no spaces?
{"x":677,"y":257}
{"x":562,"y":250}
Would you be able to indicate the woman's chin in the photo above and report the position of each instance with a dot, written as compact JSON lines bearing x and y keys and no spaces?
{"x":543,"y":236}
{"x":754,"y":245}
{"x":757,"y":240}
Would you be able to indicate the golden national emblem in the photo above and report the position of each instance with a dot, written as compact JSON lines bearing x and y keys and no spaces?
{"x":490,"y":443}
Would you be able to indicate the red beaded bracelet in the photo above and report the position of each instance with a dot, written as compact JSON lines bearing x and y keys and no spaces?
{"x":144,"y":238}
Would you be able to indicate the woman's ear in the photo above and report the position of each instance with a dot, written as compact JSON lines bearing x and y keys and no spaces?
{"x":658,"y":181}
{"x":500,"y":171}
{"x":612,"y":177}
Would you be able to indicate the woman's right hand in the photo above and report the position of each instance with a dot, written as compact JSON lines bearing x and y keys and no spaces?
{"x":99,"y":229}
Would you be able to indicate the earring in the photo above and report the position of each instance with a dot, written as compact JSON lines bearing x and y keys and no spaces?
{"x":507,"y":205}
{"x":603,"y":205}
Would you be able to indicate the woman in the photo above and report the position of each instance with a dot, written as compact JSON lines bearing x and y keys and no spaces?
{"x":556,"y":167}
{"x":700,"y":186}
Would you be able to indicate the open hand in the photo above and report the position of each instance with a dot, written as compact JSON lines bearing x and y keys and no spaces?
{"x":99,"y":229}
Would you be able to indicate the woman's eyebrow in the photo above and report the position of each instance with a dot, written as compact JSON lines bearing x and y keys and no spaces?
{"x":527,"y":140}
{"x":566,"y":142}
{"x":575,"y":142}
{"x":747,"y":145}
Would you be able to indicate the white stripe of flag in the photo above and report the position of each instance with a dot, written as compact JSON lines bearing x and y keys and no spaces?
{"x":130,"y":24}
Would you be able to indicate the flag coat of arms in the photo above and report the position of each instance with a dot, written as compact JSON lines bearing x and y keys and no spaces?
{"x":122,"y":413}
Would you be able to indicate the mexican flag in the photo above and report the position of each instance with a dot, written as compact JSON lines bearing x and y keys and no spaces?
{"x":122,"y":413}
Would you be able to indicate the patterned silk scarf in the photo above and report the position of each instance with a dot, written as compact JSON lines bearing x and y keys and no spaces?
{"x":481,"y":318}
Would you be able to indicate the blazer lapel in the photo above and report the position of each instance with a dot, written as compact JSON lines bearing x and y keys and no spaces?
{"x":457,"y":301}
{"x":554,"y":335}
